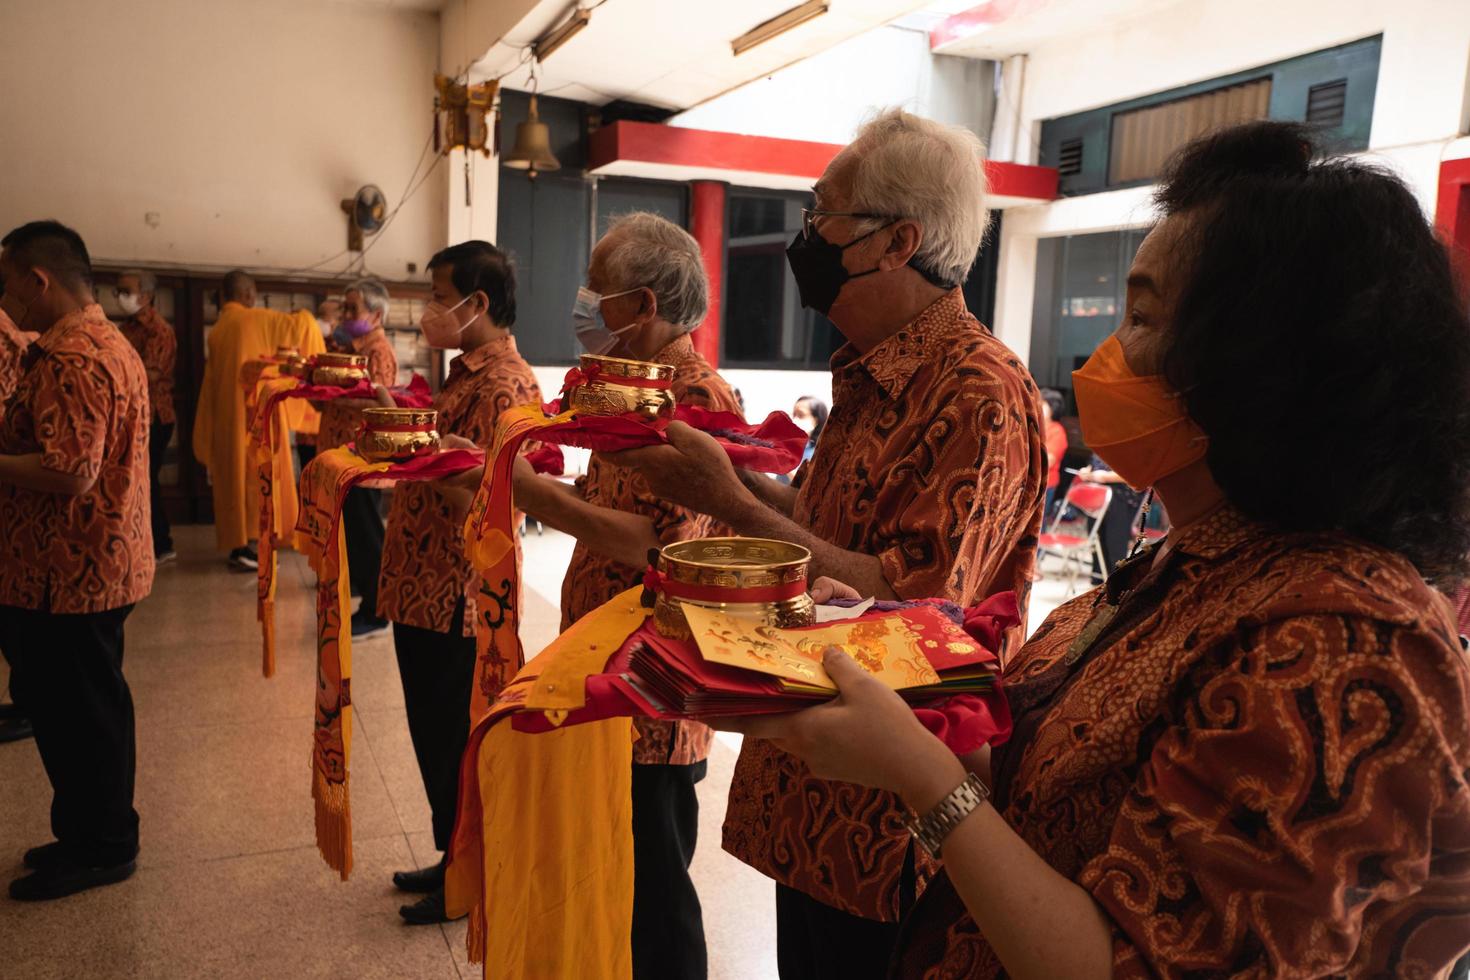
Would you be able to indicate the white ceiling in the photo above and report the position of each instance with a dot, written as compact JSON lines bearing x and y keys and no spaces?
{"x":1017,"y":26}
{"x":673,"y":53}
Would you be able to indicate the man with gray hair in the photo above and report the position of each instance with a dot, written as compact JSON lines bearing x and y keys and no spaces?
{"x":928,"y":481}
{"x":646,"y":290}
{"x":153,"y":338}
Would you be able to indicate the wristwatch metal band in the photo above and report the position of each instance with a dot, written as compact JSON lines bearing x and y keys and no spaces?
{"x":932,"y":828}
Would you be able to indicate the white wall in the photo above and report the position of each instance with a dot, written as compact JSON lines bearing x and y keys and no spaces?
{"x":1422,"y":101}
{"x":240,"y":125}
{"x":827,"y":96}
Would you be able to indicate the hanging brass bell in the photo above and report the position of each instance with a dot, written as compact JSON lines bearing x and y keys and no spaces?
{"x":532,"y":150}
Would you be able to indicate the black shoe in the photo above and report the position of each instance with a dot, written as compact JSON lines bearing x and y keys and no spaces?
{"x":45,"y":857}
{"x":15,"y":728}
{"x":420,"y":882}
{"x":9,"y":711}
{"x":427,"y":911}
{"x":364,"y":626}
{"x":67,"y":879}
{"x":244,"y":560}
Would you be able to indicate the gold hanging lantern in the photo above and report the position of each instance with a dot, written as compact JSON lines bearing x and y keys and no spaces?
{"x":460,"y":116}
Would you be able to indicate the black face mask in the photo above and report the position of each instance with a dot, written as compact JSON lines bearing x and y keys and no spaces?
{"x":817,"y":265}
{"x":820,"y":275}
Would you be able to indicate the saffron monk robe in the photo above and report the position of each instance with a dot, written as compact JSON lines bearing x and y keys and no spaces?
{"x":242,"y":333}
{"x":364,"y":312}
{"x":76,"y":555}
{"x":928,"y":481}
{"x":427,"y":587}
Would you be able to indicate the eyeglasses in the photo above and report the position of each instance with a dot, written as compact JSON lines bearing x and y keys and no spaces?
{"x":809,"y":218}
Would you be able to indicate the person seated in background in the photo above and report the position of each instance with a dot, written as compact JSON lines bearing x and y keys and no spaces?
{"x":328,"y":319}
{"x":425,"y":587}
{"x":1120,"y":521}
{"x":646,"y":291}
{"x":1249,"y":753}
{"x":1055,"y":438}
{"x":153,"y":338}
{"x":810,"y":415}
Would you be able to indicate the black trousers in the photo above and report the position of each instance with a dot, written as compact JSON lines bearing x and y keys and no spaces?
{"x":362,"y":522}
{"x":159,"y":434}
{"x":66,"y":675}
{"x":668,"y":924}
{"x":438,"y":671}
{"x":814,"y":941}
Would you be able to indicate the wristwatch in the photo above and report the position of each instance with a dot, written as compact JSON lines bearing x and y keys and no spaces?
{"x":932,"y":828}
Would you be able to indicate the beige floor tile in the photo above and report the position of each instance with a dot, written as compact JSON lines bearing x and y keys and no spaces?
{"x":244,"y":917}
{"x":387,"y":730}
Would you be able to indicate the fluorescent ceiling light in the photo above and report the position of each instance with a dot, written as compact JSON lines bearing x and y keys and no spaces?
{"x":779,"y":24}
{"x":546,"y":45}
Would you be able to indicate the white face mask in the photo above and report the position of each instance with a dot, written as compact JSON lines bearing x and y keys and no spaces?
{"x":806,"y":424}
{"x":130,"y":303}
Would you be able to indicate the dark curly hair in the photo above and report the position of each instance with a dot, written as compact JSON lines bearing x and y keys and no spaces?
{"x":1320,"y":341}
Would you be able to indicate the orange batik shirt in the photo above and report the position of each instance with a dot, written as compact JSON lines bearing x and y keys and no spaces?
{"x":13,"y":345}
{"x":425,"y":571}
{"x":340,"y":423}
{"x":593,"y":580}
{"x":83,"y":405}
{"x":154,"y":340}
{"x":1257,"y":768}
{"x":932,"y":461}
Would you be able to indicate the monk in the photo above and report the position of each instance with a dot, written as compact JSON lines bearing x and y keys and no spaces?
{"x":76,"y":555}
{"x":242,"y":333}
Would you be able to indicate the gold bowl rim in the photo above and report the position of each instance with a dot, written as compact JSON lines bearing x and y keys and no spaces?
{"x":341,"y":360}
{"x":802,"y":555}
{"x":400,"y":416}
{"x":622,"y":367}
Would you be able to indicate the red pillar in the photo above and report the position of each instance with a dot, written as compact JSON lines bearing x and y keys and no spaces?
{"x":707,"y":225}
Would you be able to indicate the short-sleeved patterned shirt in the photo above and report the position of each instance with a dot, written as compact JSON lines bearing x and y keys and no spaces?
{"x":13,"y":346}
{"x":425,"y":572}
{"x":154,"y":340}
{"x":931,"y":460}
{"x":593,"y":580}
{"x":1258,"y":768}
{"x":83,"y":405}
{"x":339,"y":424}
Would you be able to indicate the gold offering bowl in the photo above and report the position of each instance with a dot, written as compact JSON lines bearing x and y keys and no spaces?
{"x":295,"y":366}
{"x":731,"y":564}
{"x":287,"y":353}
{"x":606,"y":396}
{"x":387,"y":438}
{"x":340,"y":370}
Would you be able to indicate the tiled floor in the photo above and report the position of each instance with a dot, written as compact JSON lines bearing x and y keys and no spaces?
{"x":229,"y":882}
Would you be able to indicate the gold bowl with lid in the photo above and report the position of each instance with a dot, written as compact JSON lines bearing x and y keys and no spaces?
{"x":286,"y":352}
{"x":758,"y":578}
{"x":392,"y":435}
{"x":295,"y":366}
{"x":339,"y":370}
{"x":616,"y":386}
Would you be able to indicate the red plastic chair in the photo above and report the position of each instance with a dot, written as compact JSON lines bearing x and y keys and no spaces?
{"x":1091,"y":500}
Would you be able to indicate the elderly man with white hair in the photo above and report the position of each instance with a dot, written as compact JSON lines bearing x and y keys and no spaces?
{"x":928,"y":481}
{"x":153,"y":338}
{"x":646,"y":290}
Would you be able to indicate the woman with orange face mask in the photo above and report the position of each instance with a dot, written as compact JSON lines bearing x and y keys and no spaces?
{"x":1248,"y":754}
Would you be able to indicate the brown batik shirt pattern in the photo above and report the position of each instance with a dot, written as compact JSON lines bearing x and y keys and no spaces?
{"x":83,"y":406}
{"x":425,"y":572}
{"x":593,"y":580}
{"x":1257,"y":769}
{"x":340,"y":423}
{"x":931,"y":460}
{"x":154,"y":340}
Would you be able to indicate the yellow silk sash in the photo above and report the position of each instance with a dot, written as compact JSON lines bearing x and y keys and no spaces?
{"x":270,"y":450}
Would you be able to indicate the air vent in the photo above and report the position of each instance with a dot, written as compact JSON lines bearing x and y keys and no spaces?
{"x":1069,"y":157}
{"x":1325,"y":104}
